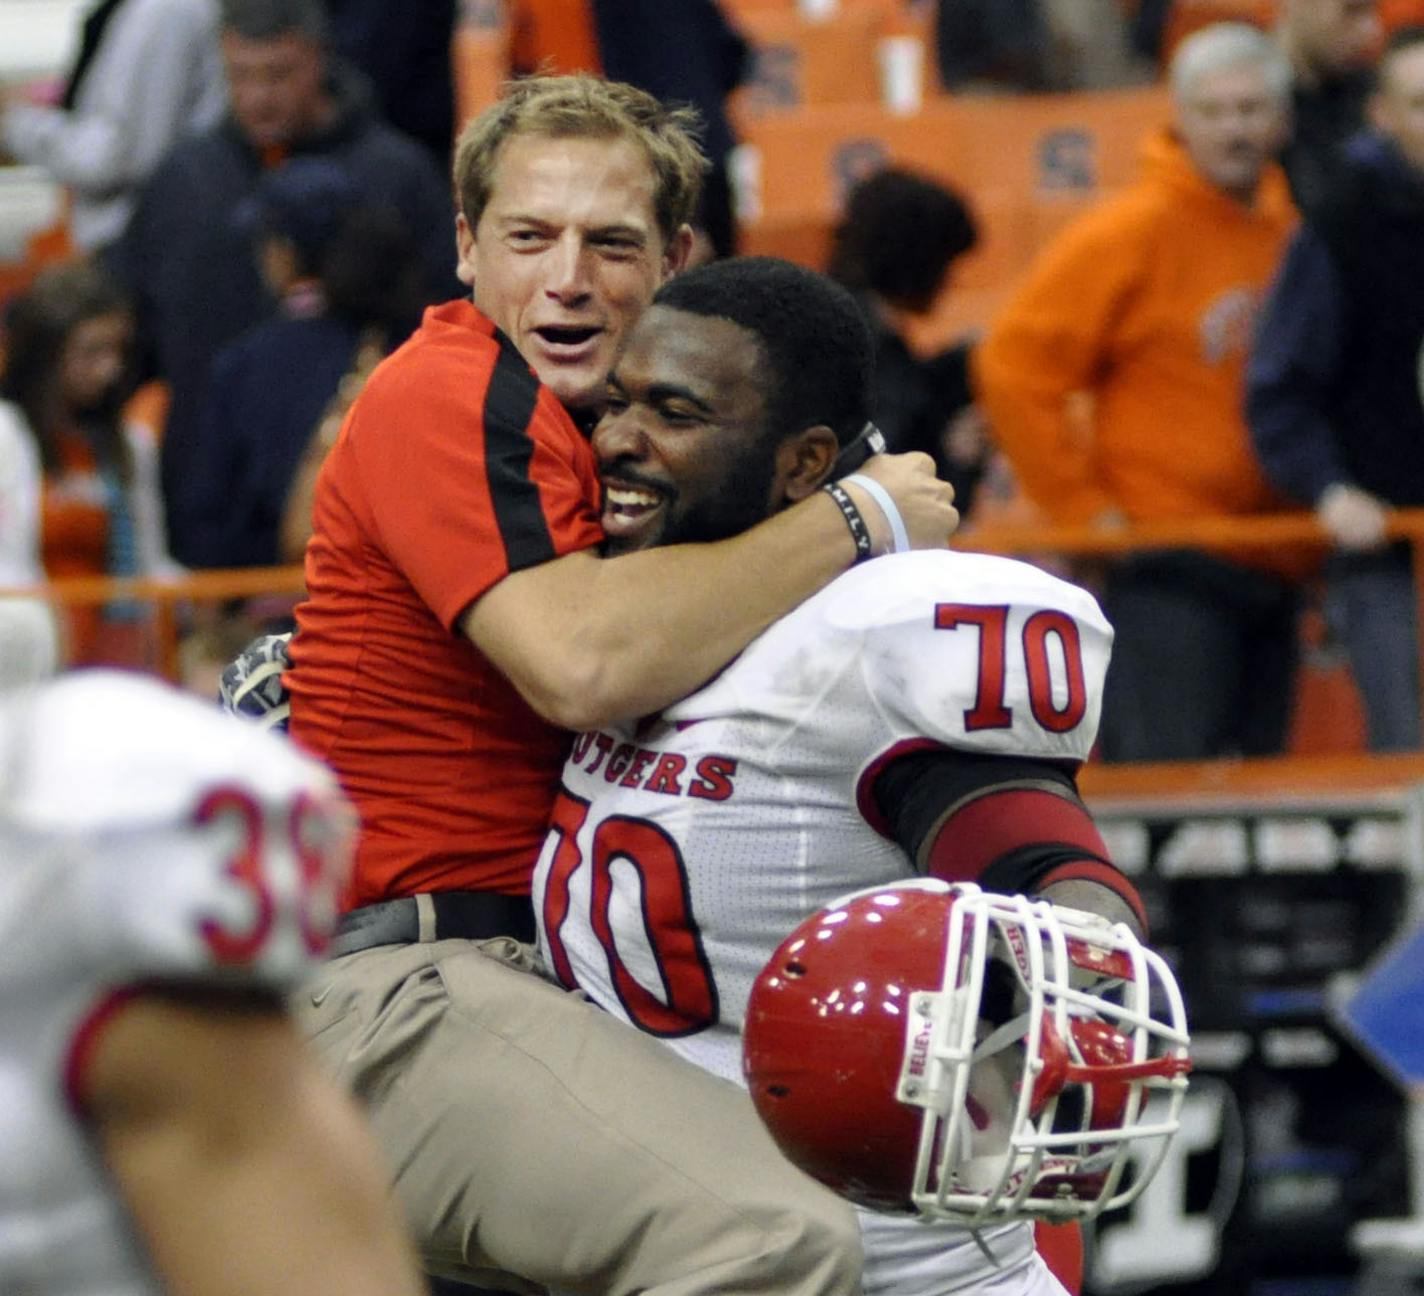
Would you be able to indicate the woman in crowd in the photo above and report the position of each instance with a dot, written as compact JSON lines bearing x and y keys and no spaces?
{"x":79,"y":480}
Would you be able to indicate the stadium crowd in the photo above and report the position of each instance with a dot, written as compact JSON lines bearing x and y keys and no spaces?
{"x":559,"y":461}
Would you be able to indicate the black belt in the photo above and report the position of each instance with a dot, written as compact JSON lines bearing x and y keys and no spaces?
{"x":436,"y":915}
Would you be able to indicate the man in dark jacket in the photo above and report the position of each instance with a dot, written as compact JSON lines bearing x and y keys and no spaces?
{"x":187,"y":260}
{"x":1334,"y":388}
{"x":1331,"y":45}
{"x":683,"y":53}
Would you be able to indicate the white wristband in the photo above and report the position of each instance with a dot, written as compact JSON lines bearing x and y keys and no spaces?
{"x":887,"y":506}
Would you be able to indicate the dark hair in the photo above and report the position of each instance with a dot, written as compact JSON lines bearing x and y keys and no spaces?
{"x":898,"y":236}
{"x":372,"y":272}
{"x":39,"y":323}
{"x":360,"y":249}
{"x":261,"y":20}
{"x":817,"y":347}
{"x":1402,"y":38}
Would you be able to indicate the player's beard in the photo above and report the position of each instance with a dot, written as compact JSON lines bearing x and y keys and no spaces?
{"x":738,"y":504}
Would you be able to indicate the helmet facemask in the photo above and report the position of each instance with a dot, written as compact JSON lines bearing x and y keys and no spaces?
{"x":1034,"y":1063}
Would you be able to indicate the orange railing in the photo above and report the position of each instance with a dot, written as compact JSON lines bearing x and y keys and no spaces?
{"x":1032,"y":540}
{"x":165,"y":595}
{"x":1254,"y":531}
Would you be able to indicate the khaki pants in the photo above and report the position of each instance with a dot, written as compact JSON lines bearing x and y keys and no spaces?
{"x":531,"y":1134}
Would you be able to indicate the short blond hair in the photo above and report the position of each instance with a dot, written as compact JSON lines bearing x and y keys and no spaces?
{"x":588,"y":107}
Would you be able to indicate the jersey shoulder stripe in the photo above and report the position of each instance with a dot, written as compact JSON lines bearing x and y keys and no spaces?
{"x":510,"y":400}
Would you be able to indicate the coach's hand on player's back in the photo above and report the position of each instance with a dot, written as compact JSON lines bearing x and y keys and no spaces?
{"x":926,"y":502}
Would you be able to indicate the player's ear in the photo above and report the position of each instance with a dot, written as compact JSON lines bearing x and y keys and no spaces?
{"x":804,"y":462}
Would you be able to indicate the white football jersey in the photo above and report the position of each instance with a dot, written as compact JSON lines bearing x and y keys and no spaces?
{"x":684,"y":849}
{"x":144,"y":838}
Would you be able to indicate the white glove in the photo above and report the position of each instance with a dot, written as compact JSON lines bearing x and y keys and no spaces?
{"x":1354,"y":517}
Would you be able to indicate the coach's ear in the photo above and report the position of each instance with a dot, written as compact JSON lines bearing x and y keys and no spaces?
{"x":804,"y":462}
{"x":678,"y":252}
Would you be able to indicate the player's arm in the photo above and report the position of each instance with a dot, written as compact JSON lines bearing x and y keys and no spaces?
{"x":588,"y":641}
{"x":244,"y":1168}
{"x":1013,"y":825}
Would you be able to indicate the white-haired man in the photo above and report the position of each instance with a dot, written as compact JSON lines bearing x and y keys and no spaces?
{"x":1146,"y":305}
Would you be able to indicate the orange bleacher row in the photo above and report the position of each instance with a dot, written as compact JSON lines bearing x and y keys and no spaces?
{"x":1026,"y":164}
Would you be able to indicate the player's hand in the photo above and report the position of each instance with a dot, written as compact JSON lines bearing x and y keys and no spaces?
{"x":925,"y":502}
{"x":1354,"y":517}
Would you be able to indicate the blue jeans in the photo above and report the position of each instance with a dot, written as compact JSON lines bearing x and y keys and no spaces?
{"x":1370,"y":606}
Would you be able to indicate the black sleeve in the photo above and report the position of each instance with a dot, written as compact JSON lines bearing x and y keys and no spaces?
{"x":920,"y":791}
{"x":916,"y":792}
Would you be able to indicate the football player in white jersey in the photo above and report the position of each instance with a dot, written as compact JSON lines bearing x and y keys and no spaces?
{"x":166,"y":874}
{"x":925,"y":713}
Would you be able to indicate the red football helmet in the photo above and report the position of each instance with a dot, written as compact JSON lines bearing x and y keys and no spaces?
{"x":937,"y":1049}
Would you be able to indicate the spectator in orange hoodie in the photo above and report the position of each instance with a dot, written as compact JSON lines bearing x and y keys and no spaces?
{"x":1146,"y":304}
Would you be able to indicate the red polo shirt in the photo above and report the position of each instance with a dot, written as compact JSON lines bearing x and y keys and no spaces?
{"x":455,"y":467}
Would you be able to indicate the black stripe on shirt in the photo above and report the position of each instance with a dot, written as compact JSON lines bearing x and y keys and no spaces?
{"x":509,"y":408}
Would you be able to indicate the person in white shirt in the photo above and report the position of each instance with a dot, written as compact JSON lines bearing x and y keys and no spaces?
{"x":148,"y":73}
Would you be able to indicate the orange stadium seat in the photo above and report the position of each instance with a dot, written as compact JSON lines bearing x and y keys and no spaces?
{"x":1189,"y":15}
{"x":799,"y":61}
{"x":1401,"y":13}
{"x":1027,"y":164}
{"x":739,"y":9}
{"x":44,"y":248}
{"x":803,"y":61}
{"x":552,"y":35}
{"x":1045,"y":147}
{"x":480,"y":58}
{"x":1327,"y":716}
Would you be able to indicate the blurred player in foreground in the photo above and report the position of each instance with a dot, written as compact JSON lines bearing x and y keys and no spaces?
{"x":924,"y":714}
{"x":166,"y":875}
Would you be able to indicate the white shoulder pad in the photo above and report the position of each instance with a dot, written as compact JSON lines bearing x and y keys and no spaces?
{"x":179,"y":843}
{"x":977,"y":652}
